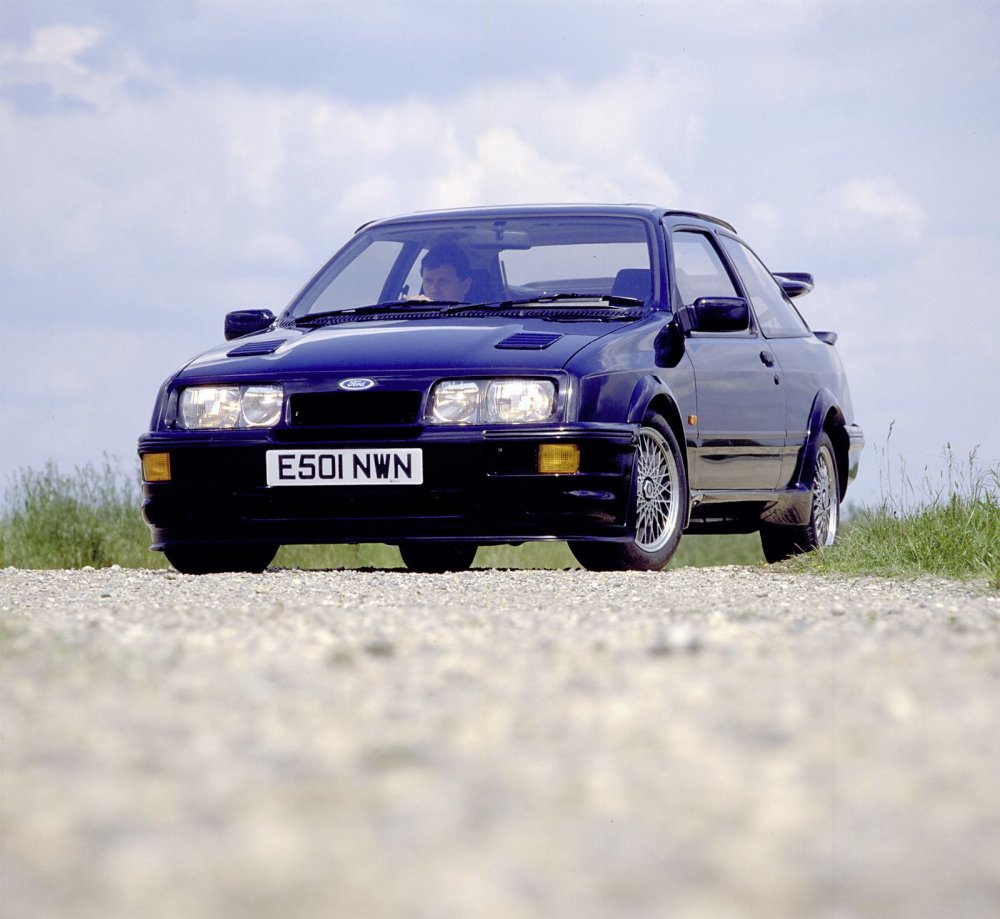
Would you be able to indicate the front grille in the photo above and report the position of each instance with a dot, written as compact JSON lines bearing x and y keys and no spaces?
{"x":335,"y":409}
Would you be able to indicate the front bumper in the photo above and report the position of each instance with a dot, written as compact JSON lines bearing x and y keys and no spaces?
{"x":480,"y":485}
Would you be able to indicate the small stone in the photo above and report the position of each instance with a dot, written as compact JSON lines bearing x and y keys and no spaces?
{"x":340,"y":657}
{"x":380,"y":647}
{"x":677,"y":639}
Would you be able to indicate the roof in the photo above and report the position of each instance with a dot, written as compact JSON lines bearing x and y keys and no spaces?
{"x":643,"y":210}
{"x":695,"y":214}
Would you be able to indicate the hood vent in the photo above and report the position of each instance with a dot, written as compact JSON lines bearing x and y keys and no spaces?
{"x":528,"y":341}
{"x":256,"y":347}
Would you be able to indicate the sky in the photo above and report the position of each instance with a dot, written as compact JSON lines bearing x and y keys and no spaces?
{"x":167,"y":161}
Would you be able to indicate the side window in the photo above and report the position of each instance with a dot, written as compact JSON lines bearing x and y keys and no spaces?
{"x":698,"y":269}
{"x":360,"y":281}
{"x":413,"y":284}
{"x":776,"y":316}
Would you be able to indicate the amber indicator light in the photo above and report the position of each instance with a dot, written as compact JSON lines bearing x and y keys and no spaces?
{"x":156,"y":467}
{"x":556,"y":459}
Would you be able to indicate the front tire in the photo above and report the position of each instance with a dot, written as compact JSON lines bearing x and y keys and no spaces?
{"x":782,"y":541}
{"x":216,"y":558}
{"x":438,"y":557}
{"x":657,"y":504}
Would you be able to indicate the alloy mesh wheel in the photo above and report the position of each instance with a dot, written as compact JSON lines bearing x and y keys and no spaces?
{"x":656,"y":504}
{"x":826,"y":507}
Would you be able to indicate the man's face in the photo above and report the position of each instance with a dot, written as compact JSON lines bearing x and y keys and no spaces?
{"x":443,"y":283}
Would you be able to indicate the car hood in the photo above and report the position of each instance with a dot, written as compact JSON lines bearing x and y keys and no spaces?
{"x":403,"y":345}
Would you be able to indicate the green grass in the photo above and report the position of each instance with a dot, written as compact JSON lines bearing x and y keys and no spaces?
{"x":948,"y":527}
{"x":68,"y":520}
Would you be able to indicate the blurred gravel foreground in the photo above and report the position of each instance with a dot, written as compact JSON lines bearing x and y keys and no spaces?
{"x":697,"y":743}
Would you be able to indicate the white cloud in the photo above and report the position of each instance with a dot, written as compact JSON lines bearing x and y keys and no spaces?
{"x":58,"y":46}
{"x":52,"y":58}
{"x":861,"y":227}
{"x":881,"y":198}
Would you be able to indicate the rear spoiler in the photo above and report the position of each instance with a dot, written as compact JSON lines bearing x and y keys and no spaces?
{"x":794,"y":283}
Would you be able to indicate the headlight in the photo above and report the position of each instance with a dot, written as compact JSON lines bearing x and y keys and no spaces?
{"x":207,"y":407}
{"x":507,"y":401}
{"x":210,"y":407}
{"x":455,"y":402}
{"x":262,"y":406}
{"x":519,"y":401}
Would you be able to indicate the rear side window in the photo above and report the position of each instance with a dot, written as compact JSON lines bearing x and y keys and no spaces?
{"x":698,"y":269}
{"x":776,"y":316}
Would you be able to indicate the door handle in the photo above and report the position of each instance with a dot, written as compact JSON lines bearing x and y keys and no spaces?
{"x":768,"y":358}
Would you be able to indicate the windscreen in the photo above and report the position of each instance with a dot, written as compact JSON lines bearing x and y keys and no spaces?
{"x":489,"y":260}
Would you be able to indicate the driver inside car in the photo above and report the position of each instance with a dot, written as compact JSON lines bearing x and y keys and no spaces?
{"x":445,"y":274}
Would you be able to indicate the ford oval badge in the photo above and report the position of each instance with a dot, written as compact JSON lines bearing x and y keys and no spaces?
{"x":356,"y":384}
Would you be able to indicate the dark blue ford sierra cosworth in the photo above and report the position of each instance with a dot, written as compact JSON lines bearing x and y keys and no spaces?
{"x":613,"y":376}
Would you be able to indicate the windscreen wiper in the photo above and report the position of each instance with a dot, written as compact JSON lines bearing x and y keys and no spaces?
{"x":392,"y":306}
{"x":545,"y":299}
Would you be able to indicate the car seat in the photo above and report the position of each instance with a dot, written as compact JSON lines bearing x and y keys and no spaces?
{"x":633,"y":282}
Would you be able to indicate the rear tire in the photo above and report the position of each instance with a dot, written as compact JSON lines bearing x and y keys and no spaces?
{"x":657,"y":504}
{"x":438,"y":557}
{"x":215,"y":558}
{"x":783,"y":541}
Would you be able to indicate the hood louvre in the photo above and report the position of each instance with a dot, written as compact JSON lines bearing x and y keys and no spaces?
{"x":529,"y":341}
{"x":256,"y":347}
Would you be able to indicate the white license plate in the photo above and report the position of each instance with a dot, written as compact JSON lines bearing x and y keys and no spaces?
{"x":345,"y":467}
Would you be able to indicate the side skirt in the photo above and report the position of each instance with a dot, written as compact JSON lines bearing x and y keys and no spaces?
{"x":736,"y":511}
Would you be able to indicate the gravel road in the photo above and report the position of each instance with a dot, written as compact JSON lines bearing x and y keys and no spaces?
{"x":697,"y":743}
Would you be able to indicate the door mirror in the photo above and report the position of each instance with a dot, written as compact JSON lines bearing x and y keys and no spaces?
{"x":245,"y":322}
{"x":721,"y":314}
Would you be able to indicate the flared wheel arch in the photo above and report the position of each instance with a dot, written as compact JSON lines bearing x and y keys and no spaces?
{"x":828,"y":418}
